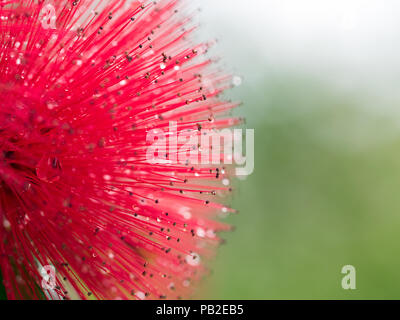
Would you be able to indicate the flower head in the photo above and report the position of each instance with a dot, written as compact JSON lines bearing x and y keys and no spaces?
{"x":82,"y":212}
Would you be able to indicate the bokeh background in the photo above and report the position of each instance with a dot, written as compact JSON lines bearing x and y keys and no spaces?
{"x":320,"y":88}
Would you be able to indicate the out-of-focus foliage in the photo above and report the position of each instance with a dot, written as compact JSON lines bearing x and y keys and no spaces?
{"x":324,"y":194}
{"x":2,"y":291}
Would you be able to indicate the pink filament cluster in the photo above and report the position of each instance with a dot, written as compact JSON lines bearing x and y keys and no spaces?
{"x":76,"y":191}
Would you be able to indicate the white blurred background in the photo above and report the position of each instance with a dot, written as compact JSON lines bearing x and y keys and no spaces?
{"x":351,"y":44}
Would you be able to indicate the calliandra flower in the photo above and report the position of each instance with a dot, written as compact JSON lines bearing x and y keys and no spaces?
{"x":79,"y":92}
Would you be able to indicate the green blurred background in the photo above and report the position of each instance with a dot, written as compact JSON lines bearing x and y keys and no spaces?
{"x":320,"y":90}
{"x":324,"y":194}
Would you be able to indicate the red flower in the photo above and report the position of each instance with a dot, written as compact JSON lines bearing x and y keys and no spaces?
{"x":80,"y":88}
